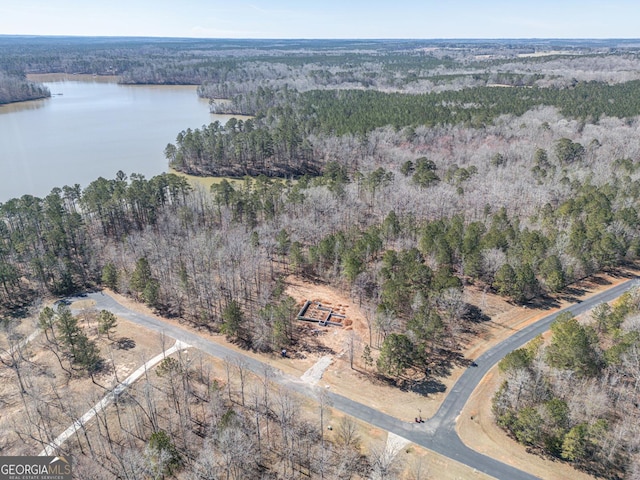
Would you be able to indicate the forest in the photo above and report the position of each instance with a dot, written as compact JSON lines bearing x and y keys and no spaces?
{"x":398,"y":173}
{"x":16,"y":88}
{"x":541,"y":402}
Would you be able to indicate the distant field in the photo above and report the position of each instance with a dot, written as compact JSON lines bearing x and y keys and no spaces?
{"x":546,"y":54}
{"x":206,"y":182}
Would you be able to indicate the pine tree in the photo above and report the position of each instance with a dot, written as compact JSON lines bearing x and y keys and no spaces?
{"x":107,"y":322}
{"x":141,"y":275}
{"x":366,"y":356}
{"x":110,"y":276}
{"x":232,"y":320}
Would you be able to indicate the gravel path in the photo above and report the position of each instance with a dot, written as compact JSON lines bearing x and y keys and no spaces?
{"x":110,"y":397}
{"x":314,"y":374}
{"x":22,"y":343}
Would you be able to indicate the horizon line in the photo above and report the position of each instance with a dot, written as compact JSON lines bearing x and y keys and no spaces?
{"x":30,"y":35}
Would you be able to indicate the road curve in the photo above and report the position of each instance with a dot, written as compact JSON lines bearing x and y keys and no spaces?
{"x":438,"y":433}
{"x":442,"y":424}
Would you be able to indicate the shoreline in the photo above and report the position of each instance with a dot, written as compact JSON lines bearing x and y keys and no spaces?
{"x":67,"y":77}
{"x":24,"y":103}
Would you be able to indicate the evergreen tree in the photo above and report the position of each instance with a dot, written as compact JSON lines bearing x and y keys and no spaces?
{"x":144,"y":284}
{"x":232,"y":321}
{"x":366,"y":356}
{"x":110,"y":276}
{"x":573,"y":346}
{"x":575,"y":444}
{"x":151,"y":292}
{"x":424,"y":174}
{"x":552,"y":273}
{"x":87,"y":354}
{"x":107,"y":322}
{"x":68,"y":328}
{"x":505,"y":281}
{"x":46,"y":321}
{"x":568,"y":152}
{"x":141,"y":275}
{"x":163,"y":455}
{"x":82,"y":351}
{"x":396,"y":355}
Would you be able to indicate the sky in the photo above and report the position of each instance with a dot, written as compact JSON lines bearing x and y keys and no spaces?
{"x":324,"y":18}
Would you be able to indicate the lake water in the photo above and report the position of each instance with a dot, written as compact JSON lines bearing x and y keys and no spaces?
{"x":91,"y":128}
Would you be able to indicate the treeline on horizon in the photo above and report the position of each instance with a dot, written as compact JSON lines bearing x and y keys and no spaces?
{"x":225,"y":68}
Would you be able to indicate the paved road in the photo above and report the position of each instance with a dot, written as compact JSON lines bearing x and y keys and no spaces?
{"x":438,"y":433}
{"x":446,"y":440}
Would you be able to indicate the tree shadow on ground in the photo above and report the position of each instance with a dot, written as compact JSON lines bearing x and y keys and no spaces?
{"x":426,"y":387}
{"x":422,"y":386}
{"x":125,"y":343}
{"x":619,"y":273}
{"x":475,"y":315}
{"x":543,"y":303}
{"x":598,"y":280}
{"x":18,"y":308}
{"x":309,"y":340}
{"x":441,"y":367}
{"x":572,"y":294}
{"x":444,"y":361}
